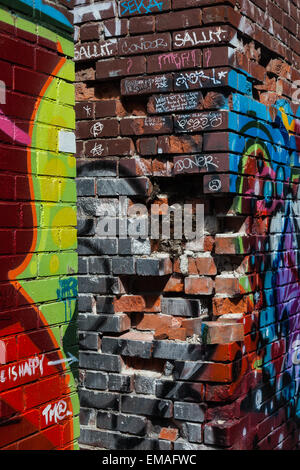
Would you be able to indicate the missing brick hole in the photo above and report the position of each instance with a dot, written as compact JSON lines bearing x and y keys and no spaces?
{"x":230,"y":264}
{"x":138,"y":284}
{"x":266,"y":56}
{"x":84,"y":73}
{"x":135,"y":105}
{"x":107,"y":90}
{"x":191,"y":187}
{"x":136,"y":363}
{"x":174,"y":247}
{"x":222,"y":205}
{"x":234,"y":224}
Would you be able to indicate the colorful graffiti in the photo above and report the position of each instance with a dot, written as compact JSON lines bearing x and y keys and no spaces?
{"x":38,"y":394}
{"x":36,"y":8}
{"x":271,"y":171}
{"x":264,"y":179}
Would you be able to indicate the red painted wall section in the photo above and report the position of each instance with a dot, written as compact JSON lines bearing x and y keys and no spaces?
{"x":38,"y":286}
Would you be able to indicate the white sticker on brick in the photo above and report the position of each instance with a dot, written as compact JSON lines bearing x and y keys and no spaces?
{"x":67,"y":142}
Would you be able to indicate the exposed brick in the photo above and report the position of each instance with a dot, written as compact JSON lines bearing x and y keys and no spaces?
{"x":168,"y":434}
{"x":221,"y":333}
{"x":198,"y":285}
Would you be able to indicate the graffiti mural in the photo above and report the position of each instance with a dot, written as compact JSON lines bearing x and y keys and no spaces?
{"x":271,"y":170}
{"x":38,"y":239}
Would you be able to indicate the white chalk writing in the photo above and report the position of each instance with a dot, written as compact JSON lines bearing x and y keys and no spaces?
{"x":87,"y":110}
{"x":97,"y":150}
{"x":177,"y":102}
{"x":93,"y":51}
{"x":194,"y":38}
{"x":143,"y":46}
{"x":197,"y":161}
{"x":97,"y":10}
{"x":193,"y":122}
{"x":199,"y":78}
{"x":214,"y":185}
{"x":154,"y":121}
{"x":146,"y":84}
{"x":96,"y":129}
{"x":58,"y":412}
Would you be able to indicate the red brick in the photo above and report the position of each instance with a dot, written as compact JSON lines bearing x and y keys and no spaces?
{"x":202,"y":265}
{"x":115,"y":27}
{"x":11,"y":403}
{"x":233,"y":244}
{"x":139,"y":25}
{"x":6,"y":74}
{"x":17,"y":52}
{"x":148,"y":125}
{"x":224,"y":305}
{"x":198,"y":285}
{"x":169,"y":144}
{"x":46,"y":440}
{"x":169,"y":434}
{"x":147,"y":146}
{"x":42,"y":391}
{"x":32,"y":343}
{"x":25,"y":425}
{"x":177,"y":20}
{"x":113,"y":68}
{"x":174,"y":284}
{"x":192,"y":326}
{"x":45,"y":60}
{"x":89,"y":31}
{"x":145,"y":44}
{"x":220,"y":14}
{"x":137,"y":303}
{"x":216,"y":332}
{"x":214,"y":35}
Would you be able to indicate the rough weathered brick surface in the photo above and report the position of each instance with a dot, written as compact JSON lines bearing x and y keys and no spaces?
{"x":188,"y":102}
{"x":39,"y":407}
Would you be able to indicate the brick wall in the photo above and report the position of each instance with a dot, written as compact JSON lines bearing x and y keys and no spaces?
{"x":39,"y":405}
{"x":188,"y":345}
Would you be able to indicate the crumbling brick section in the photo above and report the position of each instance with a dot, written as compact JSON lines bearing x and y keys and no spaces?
{"x":189,"y":344}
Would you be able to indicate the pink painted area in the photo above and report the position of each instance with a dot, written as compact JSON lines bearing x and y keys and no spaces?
{"x":2,"y":353}
{"x":14,"y":132}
